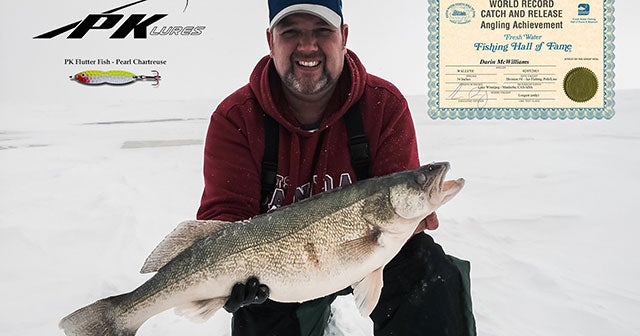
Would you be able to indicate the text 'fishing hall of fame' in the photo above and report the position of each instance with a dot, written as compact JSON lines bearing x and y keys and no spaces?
{"x":521,"y":59}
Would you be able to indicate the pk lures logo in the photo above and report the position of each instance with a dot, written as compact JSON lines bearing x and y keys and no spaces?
{"x":134,"y":23}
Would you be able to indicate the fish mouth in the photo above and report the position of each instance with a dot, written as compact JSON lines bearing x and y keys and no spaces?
{"x":446,"y":189}
{"x":437,"y":185}
{"x":445,"y":186}
{"x":425,"y":191}
{"x":439,"y":171}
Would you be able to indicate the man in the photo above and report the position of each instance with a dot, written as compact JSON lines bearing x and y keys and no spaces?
{"x":307,"y":84}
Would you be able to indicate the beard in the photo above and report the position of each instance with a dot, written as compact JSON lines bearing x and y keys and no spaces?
{"x":307,"y":85}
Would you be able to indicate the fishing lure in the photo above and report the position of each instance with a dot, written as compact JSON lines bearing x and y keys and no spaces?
{"x":114,"y":77}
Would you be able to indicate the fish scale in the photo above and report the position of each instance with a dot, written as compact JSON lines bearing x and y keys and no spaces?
{"x":302,"y":251}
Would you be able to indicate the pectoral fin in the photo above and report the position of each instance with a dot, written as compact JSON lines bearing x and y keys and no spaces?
{"x":183,"y":236}
{"x":367,"y":292}
{"x":200,"y":311}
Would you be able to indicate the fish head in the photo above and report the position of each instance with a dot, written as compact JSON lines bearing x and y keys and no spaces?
{"x":81,"y":77}
{"x":423,"y":191}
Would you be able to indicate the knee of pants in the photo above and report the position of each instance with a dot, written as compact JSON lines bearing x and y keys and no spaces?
{"x":421,"y":260}
{"x":422,"y":293}
{"x":419,"y":249}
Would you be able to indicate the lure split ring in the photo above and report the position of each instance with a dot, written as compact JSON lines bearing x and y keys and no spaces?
{"x":113,"y":77}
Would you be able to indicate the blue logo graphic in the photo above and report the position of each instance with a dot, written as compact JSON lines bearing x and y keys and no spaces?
{"x":583,"y":9}
{"x":460,"y":13}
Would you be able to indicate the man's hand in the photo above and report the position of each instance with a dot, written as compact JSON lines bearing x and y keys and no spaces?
{"x":429,"y":223}
{"x":246,"y":294}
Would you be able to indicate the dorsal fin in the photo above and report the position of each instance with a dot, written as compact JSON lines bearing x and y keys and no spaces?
{"x":183,"y":236}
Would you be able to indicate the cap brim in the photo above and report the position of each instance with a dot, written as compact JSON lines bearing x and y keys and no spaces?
{"x":322,"y":12}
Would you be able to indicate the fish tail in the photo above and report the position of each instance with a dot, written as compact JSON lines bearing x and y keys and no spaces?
{"x":98,"y":318}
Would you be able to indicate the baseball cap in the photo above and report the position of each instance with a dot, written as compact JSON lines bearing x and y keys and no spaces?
{"x":328,"y":10}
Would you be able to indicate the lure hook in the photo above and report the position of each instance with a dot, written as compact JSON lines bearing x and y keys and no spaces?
{"x":155,"y":77}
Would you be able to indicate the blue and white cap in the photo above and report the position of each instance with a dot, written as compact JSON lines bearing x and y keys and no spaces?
{"x":328,"y":10}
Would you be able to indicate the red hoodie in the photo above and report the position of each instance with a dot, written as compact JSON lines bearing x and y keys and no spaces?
{"x":309,"y":161}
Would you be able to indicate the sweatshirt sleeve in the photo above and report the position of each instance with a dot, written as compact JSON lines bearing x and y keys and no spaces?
{"x":396,"y":146}
{"x":231,"y":175}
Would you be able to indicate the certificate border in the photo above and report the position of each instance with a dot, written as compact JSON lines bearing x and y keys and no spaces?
{"x":436,"y":112}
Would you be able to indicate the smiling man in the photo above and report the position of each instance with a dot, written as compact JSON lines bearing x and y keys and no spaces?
{"x":312,"y":119}
{"x":308,"y":55}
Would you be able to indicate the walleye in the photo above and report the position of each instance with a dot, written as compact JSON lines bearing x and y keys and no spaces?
{"x":302,"y":251}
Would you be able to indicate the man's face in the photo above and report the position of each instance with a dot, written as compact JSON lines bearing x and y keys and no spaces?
{"x":308,"y":53}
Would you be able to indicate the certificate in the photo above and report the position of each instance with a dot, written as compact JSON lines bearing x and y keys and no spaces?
{"x":521,"y":59}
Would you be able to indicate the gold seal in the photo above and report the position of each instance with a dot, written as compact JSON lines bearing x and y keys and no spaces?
{"x":580,"y":84}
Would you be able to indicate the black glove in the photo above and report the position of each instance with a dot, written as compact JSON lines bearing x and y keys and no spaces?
{"x":246,"y":294}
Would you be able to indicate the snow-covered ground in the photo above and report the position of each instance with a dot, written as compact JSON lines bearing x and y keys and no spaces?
{"x":546,"y":217}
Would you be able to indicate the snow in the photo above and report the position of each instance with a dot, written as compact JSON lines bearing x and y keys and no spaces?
{"x":546,"y":216}
{"x":91,"y":179}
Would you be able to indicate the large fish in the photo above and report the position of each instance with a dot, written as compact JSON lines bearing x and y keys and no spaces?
{"x":302,"y":251}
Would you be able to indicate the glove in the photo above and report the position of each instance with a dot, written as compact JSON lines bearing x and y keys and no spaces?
{"x":253,"y":292}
